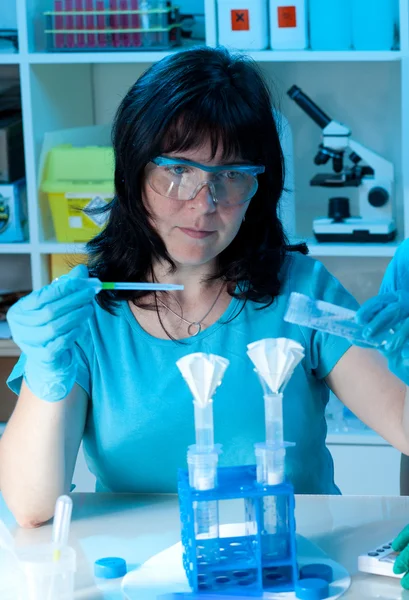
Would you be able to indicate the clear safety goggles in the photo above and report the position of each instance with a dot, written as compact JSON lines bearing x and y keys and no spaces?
{"x":180,"y":179}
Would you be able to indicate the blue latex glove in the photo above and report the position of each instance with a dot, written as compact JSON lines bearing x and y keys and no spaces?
{"x":45,"y":325}
{"x":386,"y":321}
{"x":401,"y":544}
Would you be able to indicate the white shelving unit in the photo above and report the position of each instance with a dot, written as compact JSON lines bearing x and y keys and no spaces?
{"x":369,"y":91}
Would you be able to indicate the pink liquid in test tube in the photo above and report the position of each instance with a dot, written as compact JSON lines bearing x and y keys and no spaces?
{"x":135,"y":24}
{"x":69,"y":23}
{"x":79,"y":24}
{"x":101,"y":24}
{"x":90,"y":24}
{"x":116,"y":38}
{"x":124,"y":20}
{"x":58,"y":24}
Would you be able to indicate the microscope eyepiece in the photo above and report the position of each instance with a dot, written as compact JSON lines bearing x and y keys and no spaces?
{"x":308,"y":106}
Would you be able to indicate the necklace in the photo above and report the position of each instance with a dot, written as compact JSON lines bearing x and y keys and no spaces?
{"x":194,"y":327}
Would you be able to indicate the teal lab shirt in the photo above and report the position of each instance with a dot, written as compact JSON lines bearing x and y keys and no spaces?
{"x":140,"y":415}
{"x":397,"y":273}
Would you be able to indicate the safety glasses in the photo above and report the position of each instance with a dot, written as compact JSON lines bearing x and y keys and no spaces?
{"x":178,"y":179}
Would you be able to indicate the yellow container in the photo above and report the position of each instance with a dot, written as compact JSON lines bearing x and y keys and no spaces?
{"x":61,"y":264}
{"x":78,"y":178}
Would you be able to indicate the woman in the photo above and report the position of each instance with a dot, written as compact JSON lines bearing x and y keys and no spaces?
{"x":198,"y":177}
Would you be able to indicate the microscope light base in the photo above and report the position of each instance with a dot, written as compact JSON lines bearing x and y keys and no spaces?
{"x":355,"y":230}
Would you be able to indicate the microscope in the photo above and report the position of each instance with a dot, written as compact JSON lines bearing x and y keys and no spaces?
{"x":369,"y":172}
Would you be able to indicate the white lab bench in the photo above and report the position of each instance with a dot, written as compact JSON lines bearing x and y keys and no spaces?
{"x":136,"y":527}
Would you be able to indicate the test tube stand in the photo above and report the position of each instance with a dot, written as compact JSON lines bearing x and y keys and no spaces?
{"x":239,"y":566}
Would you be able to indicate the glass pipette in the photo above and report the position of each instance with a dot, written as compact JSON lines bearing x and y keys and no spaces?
{"x":131,"y":285}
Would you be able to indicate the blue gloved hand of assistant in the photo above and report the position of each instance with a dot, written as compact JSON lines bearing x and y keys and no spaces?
{"x":401,"y":544}
{"x":385,"y":321}
{"x":45,"y":325}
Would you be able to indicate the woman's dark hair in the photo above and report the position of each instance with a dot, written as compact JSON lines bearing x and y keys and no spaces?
{"x":180,"y":103}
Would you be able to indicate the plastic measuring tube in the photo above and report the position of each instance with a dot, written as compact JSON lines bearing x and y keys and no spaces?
{"x":202,"y":461}
{"x":131,"y":285}
{"x":62,"y":521}
{"x":326,"y":317}
{"x":203,"y":476}
{"x":60,"y":533}
{"x":270,"y":460}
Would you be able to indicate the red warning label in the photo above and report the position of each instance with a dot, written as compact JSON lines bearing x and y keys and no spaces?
{"x":287,"y":16}
{"x":240,"y":20}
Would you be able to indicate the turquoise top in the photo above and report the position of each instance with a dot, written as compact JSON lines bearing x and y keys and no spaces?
{"x":140,"y":417}
{"x":397,"y":274}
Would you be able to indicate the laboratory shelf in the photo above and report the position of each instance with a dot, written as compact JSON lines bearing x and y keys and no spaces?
{"x":9,"y":348}
{"x":15,"y":248}
{"x":54,"y":247}
{"x":59,"y":58}
{"x":361,"y":438}
{"x":327,"y":56}
{"x":142,"y":56}
{"x":344,"y":249}
{"x":44,"y":58}
{"x":9,"y":58}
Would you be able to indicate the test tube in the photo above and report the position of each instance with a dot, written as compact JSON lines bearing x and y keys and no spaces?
{"x":116,"y":39}
{"x":270,"y":471}
{"x":60,"y":533}
{"x":145,"y":23}
{"x":135,"y":24}
{"x":89,"y":7}
{"x":101,"y":24}
{"x":124,"y":21}
{"x":162,"y":22}
{"x":203,"y":476}
{"x":79,"y":24}
{"x":59,"y":24}
{"x":69,"y":23}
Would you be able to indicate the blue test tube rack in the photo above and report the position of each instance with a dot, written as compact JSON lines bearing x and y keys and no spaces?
{"x":239,"y":566}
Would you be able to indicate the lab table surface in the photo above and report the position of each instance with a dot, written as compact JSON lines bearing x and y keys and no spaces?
{"x":136,"y":527}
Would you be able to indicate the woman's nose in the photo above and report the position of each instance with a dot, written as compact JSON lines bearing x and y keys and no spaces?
{"x":204,"y":199}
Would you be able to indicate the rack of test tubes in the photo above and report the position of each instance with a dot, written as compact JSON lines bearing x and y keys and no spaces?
{"x":260,"y":554}
{"x":106,"y":25}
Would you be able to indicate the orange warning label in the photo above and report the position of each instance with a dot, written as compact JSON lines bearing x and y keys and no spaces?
{"x":240,"y":20}
{"x":287,"y":16}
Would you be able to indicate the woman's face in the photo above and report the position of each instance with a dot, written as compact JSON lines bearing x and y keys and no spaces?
{"x":194,"y":231}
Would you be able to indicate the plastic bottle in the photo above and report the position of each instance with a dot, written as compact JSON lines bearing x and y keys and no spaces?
{"x":288,"y":24}
{"x":373,"y":24}
{"x":330,"y":24}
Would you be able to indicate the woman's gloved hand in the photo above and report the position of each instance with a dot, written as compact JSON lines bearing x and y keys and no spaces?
{"x":45,"y":325}
{"x":401,"y":544}
{"x":385,"y":319}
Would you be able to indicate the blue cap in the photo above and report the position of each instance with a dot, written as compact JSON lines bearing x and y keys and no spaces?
{"x":317,"y":571}
{"x":312,"y":589}
{"x":110,"y":567}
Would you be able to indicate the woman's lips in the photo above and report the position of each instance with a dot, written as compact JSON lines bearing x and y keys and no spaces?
{"x":196,"y":233}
